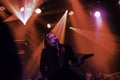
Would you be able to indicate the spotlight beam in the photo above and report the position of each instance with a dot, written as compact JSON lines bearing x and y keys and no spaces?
{"x":59,"y":28}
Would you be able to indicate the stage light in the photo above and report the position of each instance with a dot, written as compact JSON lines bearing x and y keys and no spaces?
{"x":2,"y":8}
{"x":60,"y":27}
{"x":119,"y":2}
{"x":97,"y":14}
{"x":71,"y":27}
{"x":48,"y":25}
{"x":22,"y":9}
{"x":71,"y":13}
{"x":38,"y":11}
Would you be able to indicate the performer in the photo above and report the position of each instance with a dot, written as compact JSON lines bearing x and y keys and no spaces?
{"x":56,"y":56}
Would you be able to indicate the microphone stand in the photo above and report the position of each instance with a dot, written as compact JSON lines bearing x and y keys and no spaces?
{"x":58,"y":52}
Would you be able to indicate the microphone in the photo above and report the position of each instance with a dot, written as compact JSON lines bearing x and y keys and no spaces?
{"x":57,"y":43}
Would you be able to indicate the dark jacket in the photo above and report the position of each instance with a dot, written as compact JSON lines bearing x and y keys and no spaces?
{"x":53,"y":59}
